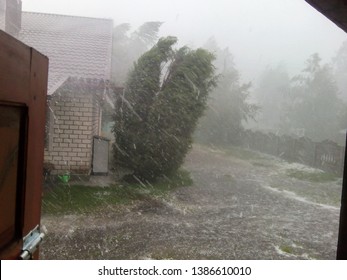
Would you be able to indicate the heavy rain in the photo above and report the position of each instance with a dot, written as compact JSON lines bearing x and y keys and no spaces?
{"x":189,"y":129}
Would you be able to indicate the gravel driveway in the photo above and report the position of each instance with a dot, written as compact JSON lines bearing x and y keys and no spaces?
{"x":237,"y":209}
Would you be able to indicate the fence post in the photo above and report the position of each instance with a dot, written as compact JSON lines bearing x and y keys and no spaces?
{"x":315,"y":155}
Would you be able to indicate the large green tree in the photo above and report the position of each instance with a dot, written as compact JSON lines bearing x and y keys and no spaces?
{"x":229,"y":106}
{"x":340,"y":69}
{"x":313,"y":107}
{"x":271,"y":92}
{"x":155,"y":118}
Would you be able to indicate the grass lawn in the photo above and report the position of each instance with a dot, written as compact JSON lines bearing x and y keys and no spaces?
{"x":70,"y":199}
{"x":315,"y":177}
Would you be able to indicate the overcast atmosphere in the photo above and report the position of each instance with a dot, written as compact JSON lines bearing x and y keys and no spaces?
{"x":258,"y":33}
{"x":184,"y":129}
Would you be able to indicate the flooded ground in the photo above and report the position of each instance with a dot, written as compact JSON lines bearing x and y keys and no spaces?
{"x":242,"y":206}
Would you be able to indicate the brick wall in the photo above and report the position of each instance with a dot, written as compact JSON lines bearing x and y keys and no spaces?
{"x":73,"y":121}
{"x":96,"y":117}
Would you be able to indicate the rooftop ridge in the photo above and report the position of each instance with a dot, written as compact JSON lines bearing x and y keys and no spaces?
{"x":71,"y":16}
{"x":76,"y":45}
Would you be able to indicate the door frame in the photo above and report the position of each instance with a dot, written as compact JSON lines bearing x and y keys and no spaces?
{"x":23,"y":83}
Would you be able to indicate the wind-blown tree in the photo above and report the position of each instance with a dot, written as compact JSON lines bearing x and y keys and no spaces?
{"x":340,"y":69}
{"x":129,"y":46}
{"x":271,"y":92}
{"x":155,"y":118}
{"x":228,"y":107}
{"x":313,"y":105}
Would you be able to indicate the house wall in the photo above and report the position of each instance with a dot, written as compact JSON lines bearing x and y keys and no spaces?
{"x":97,"y":116}
{"x":69,"y":147}
{"x":73,"y":119}
{"x":10,"y":16}
{"x":2,"y":14}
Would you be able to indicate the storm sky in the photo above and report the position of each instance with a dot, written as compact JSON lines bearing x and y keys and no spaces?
{"x":259,"y":33}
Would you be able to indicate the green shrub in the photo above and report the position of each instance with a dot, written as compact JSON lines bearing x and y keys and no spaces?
{"x":157,"y":115}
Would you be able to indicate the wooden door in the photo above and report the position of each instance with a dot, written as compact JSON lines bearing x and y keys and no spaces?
{"x":23,"y":90}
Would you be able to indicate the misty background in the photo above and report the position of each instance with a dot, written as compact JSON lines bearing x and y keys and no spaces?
{"x":258,"y":33}
{"x":281,"y":90}
{"x":267,"y":45}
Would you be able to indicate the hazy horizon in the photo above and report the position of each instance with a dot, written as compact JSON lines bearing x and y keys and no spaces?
{"x":259,"y":34}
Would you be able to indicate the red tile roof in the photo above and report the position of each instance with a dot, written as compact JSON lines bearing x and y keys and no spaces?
{"x":76,"y":46}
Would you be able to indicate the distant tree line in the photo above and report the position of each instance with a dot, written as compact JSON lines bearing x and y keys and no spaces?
{"x":311,"y":104}
{"x":229,"y":107}
{"x":171,"y":95}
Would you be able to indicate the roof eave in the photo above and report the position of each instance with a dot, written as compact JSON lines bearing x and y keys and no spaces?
{"x":335,"y":10}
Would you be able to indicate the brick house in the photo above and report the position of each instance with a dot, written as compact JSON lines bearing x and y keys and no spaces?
{"x":79,"y":51}
{"x":73,"y":122}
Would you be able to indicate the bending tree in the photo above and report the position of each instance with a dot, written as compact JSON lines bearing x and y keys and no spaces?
{"x":128,"y":47}
{"x":155,"y":117}
{"x":228,"y":107}
{"x":313,"y":105}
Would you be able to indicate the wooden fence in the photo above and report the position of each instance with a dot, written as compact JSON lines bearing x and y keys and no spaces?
{"x":326,"y":155}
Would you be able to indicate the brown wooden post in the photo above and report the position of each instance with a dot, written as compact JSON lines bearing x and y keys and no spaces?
{"x":23,"y":89}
